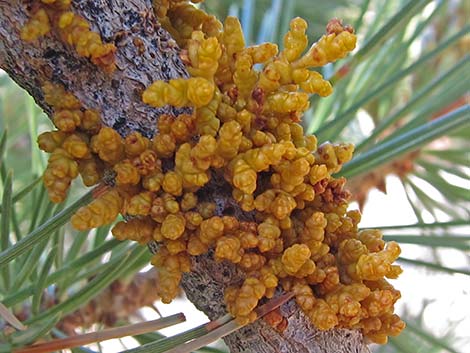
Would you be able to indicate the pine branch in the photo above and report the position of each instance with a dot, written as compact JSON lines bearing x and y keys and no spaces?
{"x":117,"y":97}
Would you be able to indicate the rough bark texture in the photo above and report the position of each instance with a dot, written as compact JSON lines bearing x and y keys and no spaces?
{"x":118,"y":98}
{"x":145,"y":53}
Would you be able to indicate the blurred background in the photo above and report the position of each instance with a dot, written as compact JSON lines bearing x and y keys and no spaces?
{"x":402,"y":98}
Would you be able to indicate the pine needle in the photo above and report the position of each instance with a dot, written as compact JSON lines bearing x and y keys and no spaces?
{"x":99,"y":336}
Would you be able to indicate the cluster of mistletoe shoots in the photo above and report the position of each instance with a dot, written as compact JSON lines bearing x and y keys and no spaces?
{"x":295,"y":231}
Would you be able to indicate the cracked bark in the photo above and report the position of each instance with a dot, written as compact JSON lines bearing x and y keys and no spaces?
{"x":145,"y":53}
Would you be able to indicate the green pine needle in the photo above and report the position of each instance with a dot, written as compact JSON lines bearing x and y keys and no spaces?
{"x":43,"y":231}
{"x":406,"y":142}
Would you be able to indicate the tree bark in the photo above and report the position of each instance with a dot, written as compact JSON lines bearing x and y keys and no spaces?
{"x":117,"y":96}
